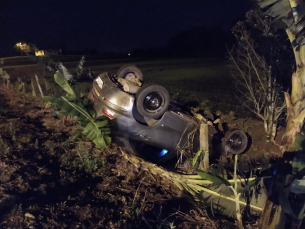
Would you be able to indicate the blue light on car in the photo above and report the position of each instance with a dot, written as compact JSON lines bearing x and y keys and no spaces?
{"x":163,"y":152}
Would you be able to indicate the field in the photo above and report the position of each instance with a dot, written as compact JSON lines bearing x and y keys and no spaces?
{"x":45,"y":183}
{"x":203,"y":82}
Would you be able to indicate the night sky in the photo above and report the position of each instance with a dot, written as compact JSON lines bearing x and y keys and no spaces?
{"x":109,"y":25}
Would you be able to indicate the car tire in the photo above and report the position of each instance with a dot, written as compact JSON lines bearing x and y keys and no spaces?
{"x":125,"y":70}
{"x":152,"y":100}
{"x":236,"y":141}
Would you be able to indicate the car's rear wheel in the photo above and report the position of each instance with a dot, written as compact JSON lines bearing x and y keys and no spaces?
{"x":152,"y":100}
{"x":236,"y":141}
{"x":130,"y":72}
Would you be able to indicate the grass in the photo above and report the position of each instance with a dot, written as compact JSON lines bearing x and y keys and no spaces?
{"x":195,"y":84}
{"x":126,"y":191}
{"x":190,"y":81}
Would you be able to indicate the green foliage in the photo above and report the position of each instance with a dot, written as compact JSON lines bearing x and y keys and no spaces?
{"x":64,"y":71}
{"x":96,"y":130}
{"x":252,"y":184}
{"x":5,"y":76}
{"x":297,"y":187}
{"x":298,"y":163}
{"x":197,"y":155}
{"x":80,"y":73}
{"x":63,"y":83}
{"x":89,"y":164}
{"x":21,"y":85}
{"x":213,"y":178}
{"x":97,"y":134}
{"x":299,"y":142}
{"x":207,"y":84}
{"x":64,"y":105}
{"x":171,"y":225}
{"x":280,"y":11}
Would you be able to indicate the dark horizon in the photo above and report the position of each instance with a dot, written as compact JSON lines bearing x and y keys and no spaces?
{"x":110,"y":26}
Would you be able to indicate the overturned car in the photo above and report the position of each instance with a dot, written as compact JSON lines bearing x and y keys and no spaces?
{"x":146,"y":122}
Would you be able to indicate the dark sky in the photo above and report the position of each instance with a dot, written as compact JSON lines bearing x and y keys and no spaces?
{"x":108,"y":25}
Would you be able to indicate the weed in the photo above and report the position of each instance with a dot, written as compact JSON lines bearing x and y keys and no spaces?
{"x":89,"y":163}
{"x":6,"y":149}
{"x":83,"y":160}
{"x":10,"y":129}
{"x":50,"y":146}
{"x":5,"y":172}
{"x":171,"y":225}
{"x":66,"y":158}
{"x":15,"y":218}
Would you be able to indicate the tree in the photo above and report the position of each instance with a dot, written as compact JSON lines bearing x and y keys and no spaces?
{"x":290,"y":15}
{"x":256,"y":66}
{"x":25,"y":48}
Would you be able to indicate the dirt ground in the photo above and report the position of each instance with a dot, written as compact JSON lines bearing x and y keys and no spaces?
{"x":48,"y":183}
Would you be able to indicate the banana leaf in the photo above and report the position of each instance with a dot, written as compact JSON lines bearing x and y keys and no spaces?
{"x":93,"y":133}
{"x":95,"y":130}
{"x":213,"y":178}
{"x":279,"y":10}
{"x":64,"y":71}
{"x":4,"y":74}
{"x":21,"y":85}
{"x":63,"y":83}
{"x":65,"y":106}
{"x":298,"y":163}
{"x":222,"y":200}
{"x":252,"y":184}
{"x":220,"y":197}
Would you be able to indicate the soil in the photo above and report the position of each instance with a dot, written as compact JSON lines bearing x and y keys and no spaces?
{"x":46,"y":182}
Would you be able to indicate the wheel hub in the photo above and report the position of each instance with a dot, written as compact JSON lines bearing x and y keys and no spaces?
{"x":153,"y":102}
{"x":235,"y":141}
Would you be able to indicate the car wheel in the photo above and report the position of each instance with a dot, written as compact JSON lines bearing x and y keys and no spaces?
{"x":130,"y":72}
{"x":236,"y":141}
{"x":152,"y":100}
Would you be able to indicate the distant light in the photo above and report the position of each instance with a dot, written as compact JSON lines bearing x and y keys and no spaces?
{"x":128,"y":54}
{"x":163,"y":152}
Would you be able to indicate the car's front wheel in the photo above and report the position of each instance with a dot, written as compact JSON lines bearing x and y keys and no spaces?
{"x":152,"y":100}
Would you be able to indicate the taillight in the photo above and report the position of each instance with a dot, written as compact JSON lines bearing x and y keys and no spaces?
{"x":108,"y":113}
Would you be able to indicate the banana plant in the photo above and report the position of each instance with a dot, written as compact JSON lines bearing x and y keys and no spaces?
{"x":5,"y":76}
{"x":208,"y":188}
{"x":288,"y":15}
{"x":53,"y":66}
{"x":94,"y":128}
